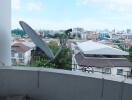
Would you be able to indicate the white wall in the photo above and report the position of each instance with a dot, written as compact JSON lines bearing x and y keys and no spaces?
{"x":125,"y":70}
{"x":53,"y":84}
{"x":27,"y":57}
{"x":5,"y":30}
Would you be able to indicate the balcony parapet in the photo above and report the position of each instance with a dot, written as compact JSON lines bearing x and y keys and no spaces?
{"x":55,"y":84}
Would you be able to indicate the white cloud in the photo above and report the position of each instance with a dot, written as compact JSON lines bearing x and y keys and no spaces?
{"x":15,"y":4}
{"x":120,"y":5}
{"x":34,"y":6}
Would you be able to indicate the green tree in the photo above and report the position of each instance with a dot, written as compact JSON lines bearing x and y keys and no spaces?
{"x":130,"y":53}
{"x":79,"y":36}
{"x":63,"y":61}
{"x":18,"y":32}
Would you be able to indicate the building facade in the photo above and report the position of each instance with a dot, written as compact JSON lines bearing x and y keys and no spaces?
{"x":20,"y":54}
{"x":96,"y":57}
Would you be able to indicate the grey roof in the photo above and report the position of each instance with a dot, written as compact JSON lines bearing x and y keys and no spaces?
{"x":90,"y":47}
{"x":102,"y":62}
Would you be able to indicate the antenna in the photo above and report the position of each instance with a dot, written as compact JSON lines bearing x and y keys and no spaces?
{"x":42,"y":44}
{"x":37,"y":40}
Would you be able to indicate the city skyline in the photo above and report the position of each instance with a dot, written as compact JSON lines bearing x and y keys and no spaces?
{"x":63,"y":14}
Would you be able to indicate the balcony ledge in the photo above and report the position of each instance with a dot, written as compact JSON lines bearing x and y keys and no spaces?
{"x":75,"y":73}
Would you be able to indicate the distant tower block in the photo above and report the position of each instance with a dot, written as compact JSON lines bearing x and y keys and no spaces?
{"x":5,"y":32}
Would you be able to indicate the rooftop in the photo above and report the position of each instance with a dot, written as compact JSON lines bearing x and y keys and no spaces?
{"x":90,"y":47}
{"x":19,"y":47}
{"x":102,"y":62}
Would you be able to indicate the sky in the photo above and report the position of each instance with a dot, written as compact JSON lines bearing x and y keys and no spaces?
{"x":64,"y":14}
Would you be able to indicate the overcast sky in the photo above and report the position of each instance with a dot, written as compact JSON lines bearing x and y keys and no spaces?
{"x":63,"y":14}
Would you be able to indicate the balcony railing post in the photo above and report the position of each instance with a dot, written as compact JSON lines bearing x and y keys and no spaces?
{"x":5,"y":32}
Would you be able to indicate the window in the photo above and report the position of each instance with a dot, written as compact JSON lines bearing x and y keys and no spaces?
{"x":14,"y":62}
{"x":107,"y":70}
{"x":20,"y":55}
{"x":21,"y":61}
{"x":12,"y":54}
{"x":119,"y":71}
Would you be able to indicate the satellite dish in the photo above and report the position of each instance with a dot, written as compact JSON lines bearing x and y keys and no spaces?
{"x":42,"y":44}
{"x":68,"y":31}
{"x":37,"y":40}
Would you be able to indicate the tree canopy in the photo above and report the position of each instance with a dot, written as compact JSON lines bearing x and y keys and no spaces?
{"x":18,"y":32}
{"x":130,"y":53}
{"x":63,"y":61}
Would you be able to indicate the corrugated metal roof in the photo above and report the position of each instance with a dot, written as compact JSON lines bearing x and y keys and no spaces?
{"x":102,"y":62}
{"x":91,"y":47}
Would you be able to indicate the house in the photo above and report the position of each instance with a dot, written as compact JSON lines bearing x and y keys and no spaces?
{"x":20,"y":54}
{"x":96,"y":57}
{"x":90,"y":36}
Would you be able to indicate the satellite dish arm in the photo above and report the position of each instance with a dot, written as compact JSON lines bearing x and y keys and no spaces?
{"x":58,"y":51}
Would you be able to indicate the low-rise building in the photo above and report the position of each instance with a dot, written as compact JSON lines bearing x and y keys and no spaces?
{"x":104,"y":35}
{"x":90,"y":36}
{"x":20,"y":54}
{"x":96,"y":57}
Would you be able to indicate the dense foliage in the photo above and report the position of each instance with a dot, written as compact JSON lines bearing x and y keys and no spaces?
{"x":63,"y":61}
{"x":18,"y":32}
{"x":130,"y":54}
